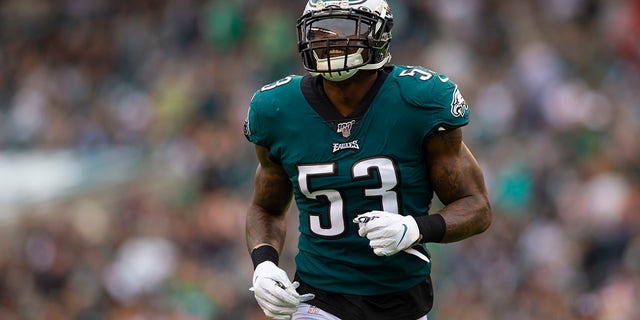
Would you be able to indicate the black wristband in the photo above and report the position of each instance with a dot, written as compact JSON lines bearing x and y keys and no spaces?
{"x":432,"y":227}
{"x":264,"y":253}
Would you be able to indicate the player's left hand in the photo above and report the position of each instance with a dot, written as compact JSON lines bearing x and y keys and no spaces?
{"x":388,"y":233}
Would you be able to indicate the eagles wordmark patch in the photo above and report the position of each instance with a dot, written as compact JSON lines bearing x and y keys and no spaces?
{"x":347,"y":145}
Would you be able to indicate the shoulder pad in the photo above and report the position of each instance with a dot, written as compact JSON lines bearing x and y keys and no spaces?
{"x":275,"y":93}
{"x":265,"y":103}
{"x":424,"y":88}
{"x":277,"y":87}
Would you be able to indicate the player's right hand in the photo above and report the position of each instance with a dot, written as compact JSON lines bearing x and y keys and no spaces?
{"x":275,"y":293}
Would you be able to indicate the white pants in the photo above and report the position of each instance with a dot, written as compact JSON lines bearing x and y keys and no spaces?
{"x":309,"y":312}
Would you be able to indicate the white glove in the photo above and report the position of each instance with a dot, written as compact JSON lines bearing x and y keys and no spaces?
{"x":388,"y":233}
{"x":275,"y":294}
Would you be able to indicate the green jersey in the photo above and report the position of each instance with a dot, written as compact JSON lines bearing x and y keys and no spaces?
{"x":341,"y":167}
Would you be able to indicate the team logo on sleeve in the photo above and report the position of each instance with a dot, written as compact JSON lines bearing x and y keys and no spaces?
{"x":345,"y":128}
{"x":458,"y":106}
{"x":246,"y":128}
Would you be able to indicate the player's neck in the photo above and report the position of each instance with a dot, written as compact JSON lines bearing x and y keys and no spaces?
{"x":346,"y":95}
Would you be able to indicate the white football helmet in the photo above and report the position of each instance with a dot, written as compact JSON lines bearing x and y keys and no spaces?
{"x":337,"y":38}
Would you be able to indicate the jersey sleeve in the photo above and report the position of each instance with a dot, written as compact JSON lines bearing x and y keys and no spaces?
{"x":436,"y":95}
{"x":253,"y":130}
{"x":262,"y":125}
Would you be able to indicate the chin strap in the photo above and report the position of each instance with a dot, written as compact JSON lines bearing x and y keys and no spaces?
{"x":327,"y":64}
{"x":352,"y":59}
{"x":337,"y":76}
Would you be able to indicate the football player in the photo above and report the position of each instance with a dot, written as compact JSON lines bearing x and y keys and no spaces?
{"x":362,"y":146}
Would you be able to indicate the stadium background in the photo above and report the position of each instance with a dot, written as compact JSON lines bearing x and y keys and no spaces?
{"x":124,"y":175}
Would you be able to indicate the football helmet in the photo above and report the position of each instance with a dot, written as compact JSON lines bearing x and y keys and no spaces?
{"x":336,"y":38}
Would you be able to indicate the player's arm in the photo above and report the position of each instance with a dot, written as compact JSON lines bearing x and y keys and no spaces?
{"x":266,"y":224}
{"x":265,"y":231}
{"x":458,"y":182}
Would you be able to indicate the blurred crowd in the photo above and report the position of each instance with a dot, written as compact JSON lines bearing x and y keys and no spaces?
{"x":554,"y":89}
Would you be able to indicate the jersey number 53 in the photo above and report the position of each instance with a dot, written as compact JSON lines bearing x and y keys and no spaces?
{"x":384,"y":190}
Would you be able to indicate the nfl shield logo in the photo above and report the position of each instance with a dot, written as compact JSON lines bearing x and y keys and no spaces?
{"x":313,"y":309}
{"x":345,"y":128}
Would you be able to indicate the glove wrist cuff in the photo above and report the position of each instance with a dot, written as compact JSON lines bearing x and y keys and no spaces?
{"x":264,"y":253}
{"x":432,"y":228}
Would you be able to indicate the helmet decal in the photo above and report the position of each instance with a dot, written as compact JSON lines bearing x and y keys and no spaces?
{"x":341,"y":3}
